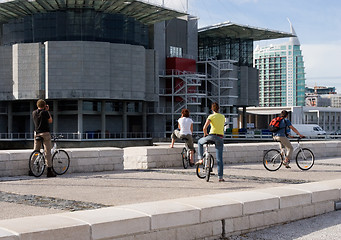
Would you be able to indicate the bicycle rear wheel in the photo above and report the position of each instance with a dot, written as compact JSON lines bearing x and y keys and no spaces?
{"x":185,"y":160}
{"x":37,"y":163}
{"x":60,"y":162}
{"x":200,"y":169}
{"x":305,"y":159}
{"x":208,"y":166}
{"x":272,"y":160}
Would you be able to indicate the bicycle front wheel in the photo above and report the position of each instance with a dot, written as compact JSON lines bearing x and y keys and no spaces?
{"x":185,"y":160}
{"x":37,"y":163}
{"x":208,"y":166}
{"x":305,"y":159}
{"x":60,"y":162}
{"x":272,"y":160}
{"x":200,"y":169}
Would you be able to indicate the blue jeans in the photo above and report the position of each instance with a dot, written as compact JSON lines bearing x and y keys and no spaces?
{"x":219,"y":146}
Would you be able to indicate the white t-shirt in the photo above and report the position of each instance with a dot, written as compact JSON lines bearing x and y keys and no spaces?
{"x":185,"y":125}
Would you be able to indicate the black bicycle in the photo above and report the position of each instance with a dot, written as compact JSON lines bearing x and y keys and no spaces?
{"x":204,"y":170}
{"x":186,"y":156}
{"x":60,"y":159}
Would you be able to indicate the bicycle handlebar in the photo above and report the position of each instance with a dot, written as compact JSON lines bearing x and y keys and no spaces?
{"x":57,"y":137}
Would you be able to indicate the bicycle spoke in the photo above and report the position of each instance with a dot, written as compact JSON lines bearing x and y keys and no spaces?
{"x":272,"y":160}
{"x":305,"y":159}
{"x":37,"y":163}
{"x":60,"y":162}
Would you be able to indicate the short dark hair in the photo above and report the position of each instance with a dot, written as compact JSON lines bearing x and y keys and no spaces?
{"x":41,"y":103}
{"x":185,"y":112}
{"x":284,"y":113}
{"x":215,"y":107}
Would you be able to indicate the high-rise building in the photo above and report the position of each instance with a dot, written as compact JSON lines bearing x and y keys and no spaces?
{"x":281,"y":73}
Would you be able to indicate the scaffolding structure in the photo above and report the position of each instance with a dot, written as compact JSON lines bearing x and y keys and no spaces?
{"x":218,"y":82}
{"x":184,"y":92}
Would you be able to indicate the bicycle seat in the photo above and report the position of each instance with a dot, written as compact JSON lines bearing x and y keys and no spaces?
{"x":210,"y":142}
{"x":184,"y":139}
{"x":39,"y":138}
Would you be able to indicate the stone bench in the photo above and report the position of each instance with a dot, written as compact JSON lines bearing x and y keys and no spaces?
{"x":15,"y":162}
{"x":202,"y":217}
{"x":161,"y":155}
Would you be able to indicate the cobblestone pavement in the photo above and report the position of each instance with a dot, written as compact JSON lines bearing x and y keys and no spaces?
{"x":27,"y":196}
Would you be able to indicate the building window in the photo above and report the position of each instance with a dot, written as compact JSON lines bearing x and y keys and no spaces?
{"x":92,"y":106}
{"x":175,"y":51}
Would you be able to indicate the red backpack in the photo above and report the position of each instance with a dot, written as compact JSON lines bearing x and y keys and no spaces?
{"x":274,"y":124}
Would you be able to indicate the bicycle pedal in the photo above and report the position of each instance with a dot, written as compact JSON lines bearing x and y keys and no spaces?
{"x":212,"y":173}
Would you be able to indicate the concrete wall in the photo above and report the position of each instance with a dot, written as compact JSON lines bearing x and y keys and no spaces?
{"x":77,"y":69}
{"x":27,"y":70}
{"x":176,"y":30}
{"x":159,"y":44}
{"x":6,"y":79}
{"x":204,"y":217}
{"x":192,"y":43}
{"x":147,"y":157}
{"x":152,"y":76}
{"x":163,"y":156}
{"x":15,"y":162}
{"x":99,"y":70}
{"x":128,"y":77}
{"x":248,"y":86}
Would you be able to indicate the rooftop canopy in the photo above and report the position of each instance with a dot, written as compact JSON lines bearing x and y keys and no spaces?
{"x":233,"y":30}
{"x":141,"y":11}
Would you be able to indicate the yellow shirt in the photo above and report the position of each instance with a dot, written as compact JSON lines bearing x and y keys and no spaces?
{"x":217,"y":123}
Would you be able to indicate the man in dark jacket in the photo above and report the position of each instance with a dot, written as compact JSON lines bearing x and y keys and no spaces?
{"x":42,"y":118}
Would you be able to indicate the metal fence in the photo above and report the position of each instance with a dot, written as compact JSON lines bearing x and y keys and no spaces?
{"x":141,"y":135}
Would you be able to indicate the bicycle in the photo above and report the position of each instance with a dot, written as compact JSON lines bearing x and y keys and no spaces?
{"x":60,"y":159}
{"x":186,"y":156}
{"x":273,"y":158}
{"x":205,"y":170}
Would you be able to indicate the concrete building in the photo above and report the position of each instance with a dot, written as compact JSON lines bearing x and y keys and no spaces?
{"x":281,"y":74}
{"x":329,"y":100}
{"x":321,"y":96}
{"x":119,"y":69}
{"x":93,"y":61}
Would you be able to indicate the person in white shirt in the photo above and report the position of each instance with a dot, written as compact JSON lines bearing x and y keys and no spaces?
{"x":185,"y":125}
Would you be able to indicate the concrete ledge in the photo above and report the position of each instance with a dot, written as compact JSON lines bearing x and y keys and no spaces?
{"x":15,"y":162}
{"x":210,"y":216}
{"x":161,"y":155}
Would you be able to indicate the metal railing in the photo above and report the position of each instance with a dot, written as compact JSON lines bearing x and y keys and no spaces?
{"x":140,"y":135}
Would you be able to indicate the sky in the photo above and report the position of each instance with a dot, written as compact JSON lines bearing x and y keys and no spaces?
{"x":317,"y":24}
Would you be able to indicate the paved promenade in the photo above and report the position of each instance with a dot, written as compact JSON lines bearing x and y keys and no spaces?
{"x":30,"y":196}
{"x":324,"y":227}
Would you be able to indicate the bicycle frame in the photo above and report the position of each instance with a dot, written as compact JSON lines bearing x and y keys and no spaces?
{"x":283,"y":150}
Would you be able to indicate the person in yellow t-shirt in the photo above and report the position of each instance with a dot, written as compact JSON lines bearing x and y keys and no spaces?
{"x":216,"y":134}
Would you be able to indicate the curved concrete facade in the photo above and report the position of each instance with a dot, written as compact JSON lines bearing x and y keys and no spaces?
{"x":78,"y":69}
{"x":99,"y":70}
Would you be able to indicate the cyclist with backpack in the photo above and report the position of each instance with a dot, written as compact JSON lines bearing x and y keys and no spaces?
{"x":280,"y":127}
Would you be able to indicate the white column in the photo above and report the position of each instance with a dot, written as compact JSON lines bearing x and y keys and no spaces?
{"x":80,"y":119}
{"x":103,"y":119}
